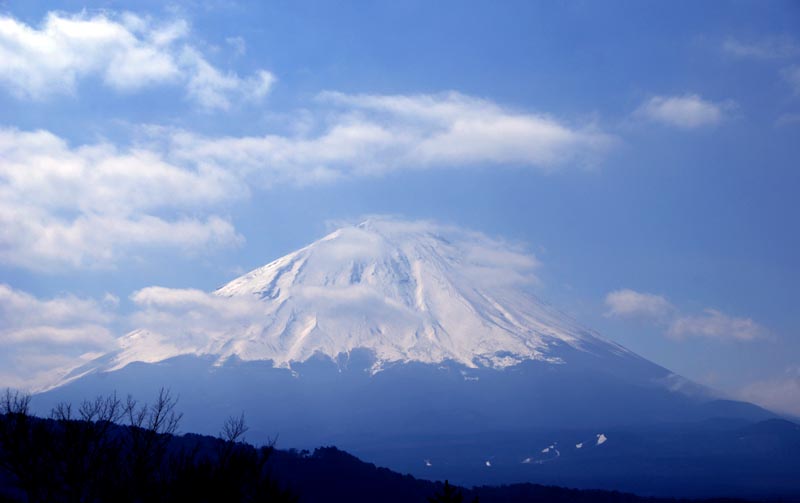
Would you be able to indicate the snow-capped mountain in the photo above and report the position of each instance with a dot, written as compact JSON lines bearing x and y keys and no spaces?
{"x":411,"y":344}
{"x":403,"y":291}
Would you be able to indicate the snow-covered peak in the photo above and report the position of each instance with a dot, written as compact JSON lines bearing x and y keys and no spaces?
{"x":406,"y":291}
{"x":387,"y":255}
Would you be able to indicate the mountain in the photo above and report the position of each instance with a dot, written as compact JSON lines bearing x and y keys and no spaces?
{"x":406,"y":292}
{"x":403,"y":292}
{"x":415,"y":345}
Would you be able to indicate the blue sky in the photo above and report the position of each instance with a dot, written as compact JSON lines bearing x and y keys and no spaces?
{"x":646,"y":153}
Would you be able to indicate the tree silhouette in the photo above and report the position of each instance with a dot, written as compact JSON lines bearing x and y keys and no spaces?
{"x":86,"y":455}
{"x":449,"y":494}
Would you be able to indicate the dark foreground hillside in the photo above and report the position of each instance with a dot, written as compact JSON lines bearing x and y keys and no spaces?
{"x":329,"y":474}
{"x":110,"y":450}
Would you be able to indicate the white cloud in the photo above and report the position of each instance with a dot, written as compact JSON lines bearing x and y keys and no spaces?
{"x":63,"y":206}
{"x":717,"y":325}
{"x":36,"y":63}
{"x":629,"y":303}
{"x":767,"y":48}
{"x":626,"y":303}
{"x":19,"y":309}
{"x":174,"y":321}
{"x":42,"y":168}
{"x":42,"y":340}
{"x":185,"y":311}
{"x":39,"y":338}
{"x":89,"y":205}
{"x":368,"y":135}
{"x":258,"y":86}
{"x":689,"y":111}
{"x":213,"y":90}
{"x":45,"y":242}
{"x":454,"y":128}
{"x":127,"y":52}
{"x":781,"y":394}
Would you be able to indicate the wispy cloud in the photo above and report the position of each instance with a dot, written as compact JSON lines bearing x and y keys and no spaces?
{"x":715,"y":324}
{"x":781,"y":393}
{"x":238,"y":44}
{"x":777,"y":48}
{"x":127,"y":52}
{"x":688,"y":111}
{"x":765,"y":48}
{"x":711,"y":323}
{"x":629,"y":303}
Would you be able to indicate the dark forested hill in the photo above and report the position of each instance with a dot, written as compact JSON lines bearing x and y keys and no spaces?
{"x":109,"y":450}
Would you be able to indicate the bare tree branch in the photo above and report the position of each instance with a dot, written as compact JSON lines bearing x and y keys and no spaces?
{"x":15,"y":402}
{"x":234,"y":429}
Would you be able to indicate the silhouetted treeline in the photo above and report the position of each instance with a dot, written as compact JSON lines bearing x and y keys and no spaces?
{"x":330,"y":475}
{"x":110,"y":450}
{"x":121,"y":451}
